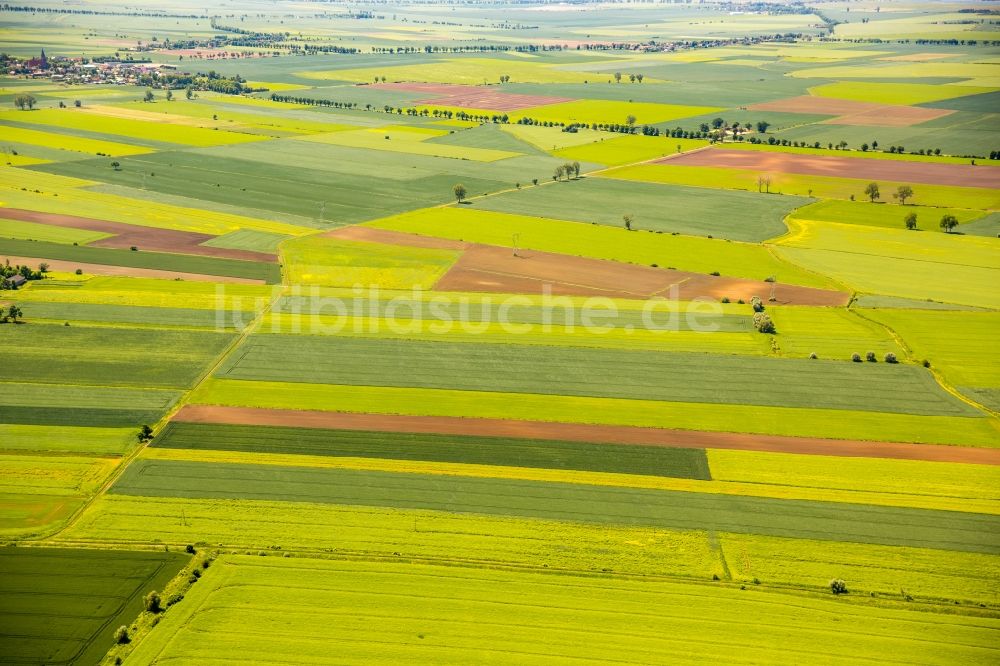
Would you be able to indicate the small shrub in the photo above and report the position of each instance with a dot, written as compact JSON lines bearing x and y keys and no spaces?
{"x":725,"y":299}
{"x":174,"y":599}
{"x":189,"y":549}
{"x":715,"y":577}
{"x":890,"y":358}
{"x":856,"y":357}
{"x":715,"y":273}
{"x":813,"y":355}
{"x":838,"y":586}
{"x":756,"y":581}
{"x":770,"y":278}
{"x":79,"y":271}
{"x":757,"y":304}
{"x":870,"y":357}
{"x":152,"y":603}
{"x":741,"y":302}
{"x":763,"y":323}
{"x":121,"y":635}
{"x":927,"y":363}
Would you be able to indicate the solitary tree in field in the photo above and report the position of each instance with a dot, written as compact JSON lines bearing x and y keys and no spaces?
{"x":627,"y":219}
{"x":872,"y":192}
{"x":911,"y":221}
{"x":77,"y":104}
{"x":188,"y":92}
{"x":14,"y":313}
{"x":630,"y":120}
{"x":148,"y":97}
{"x":116,"y":165}
{"x":460,"y":192}
{"x":717,"y":123}
{"x":25,"y":102}
{"x":762,"y":126}
{"x":949,"y":222}
{"x":170,"y":95}
{"x":618,"y":77}
{"x":903,"y":192}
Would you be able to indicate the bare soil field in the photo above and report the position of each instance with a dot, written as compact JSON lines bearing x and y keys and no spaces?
{"x":851,"y":112}
{"x":963,"y":175}
{"x":487,"y":268}
{"x":474,"y":97}
{"x":579,"y":432}
{"x":145,"y":238}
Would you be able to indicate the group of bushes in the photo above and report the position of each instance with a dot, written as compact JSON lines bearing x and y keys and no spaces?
{"x":871,"y":358}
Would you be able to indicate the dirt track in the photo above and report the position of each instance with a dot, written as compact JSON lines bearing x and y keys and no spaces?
{"x":844,"y":167}
{"x":105,"y":269}
{"x":584,"y":433}
{"x":850,"y":112}
{"x":145,"y":238}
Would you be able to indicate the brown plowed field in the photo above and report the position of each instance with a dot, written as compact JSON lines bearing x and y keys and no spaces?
{"x":105,"y":269}
{"x":843,"y":167}
{"x":145,"y":238}
{"x":372,"y":235}
{"x":488,"y":268}
{"x":474,"y":97}
{"x":852,"y":112}
{"x":578,"y":432}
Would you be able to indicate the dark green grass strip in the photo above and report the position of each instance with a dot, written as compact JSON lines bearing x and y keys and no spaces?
{"x":491,"y":311}
{"x":62,"y":606}
{"x":610,"y":373}
{"x":830,"y":521}
{"x":185,"y":263}
{"x":131,"y":314}
{"x":78,"y":416}
{"x":545,"y":454}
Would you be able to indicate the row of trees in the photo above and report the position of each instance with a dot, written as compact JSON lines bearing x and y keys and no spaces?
{"x":25,"y":102}
{"x":569,"y":169}
{"x":633,"y":78}
{"x":8,"y":271}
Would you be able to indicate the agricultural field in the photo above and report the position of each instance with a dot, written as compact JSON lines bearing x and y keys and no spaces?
{"x":512,"y":332}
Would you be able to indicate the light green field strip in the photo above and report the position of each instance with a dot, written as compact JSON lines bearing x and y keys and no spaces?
{"x":883,"y":570}
{"x":464,"y":537}
{"x":552,"y":138}
{"x":773,"y":482}
{"x":823,"y":187}
{"x":950,"y":483}
{"x":218,"y":113}
{"x":21,"y":159}
{"x":467,"y":71}
{"x":25,"y":474}
{"x":943,"y":267}
{"x":748,"y":342}
{"x":248,"y":239}
{"x":702,"y":255}
{"x":65,"y":142}
{"x":829,"y":333}
{"x":628,"y":149}
{"x":894,"y":93}
{"x":319,"y":260}
{"x":72,"y":439}
{"x":127,"y":127}
{"x":148,"y":292}
{"x":64,"y":195}
{"x":962,"y":345}
{"x":611,"y":112}
{"x":530,"y":618}
{"x":880,"y":215}
{"x":403,"y":141}
{"x":47,"y":232}
{"x":840,"y":424}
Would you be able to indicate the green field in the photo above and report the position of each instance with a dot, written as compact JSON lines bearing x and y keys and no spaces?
{"x":161,"y":358}
{"x":880,"y":215}
{"x":739,"y":216}
{"x":642,"y":375}
{"x":685,"y":463}
{"x":63,"y":605}
{"x":47,"y":233}
{"x":600,"y":242}
{"x":499,"y":616}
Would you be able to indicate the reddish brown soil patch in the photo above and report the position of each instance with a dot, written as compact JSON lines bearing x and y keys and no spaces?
{"x":474,"y":97}
{"x":579,"y":432}
{"x":371,"y":235}
{"x":487,"y":268}
{"x":844,"y":167}
{"x":104,"y":269}
{"x":145,"y":238}
{"x":852,"y":112}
